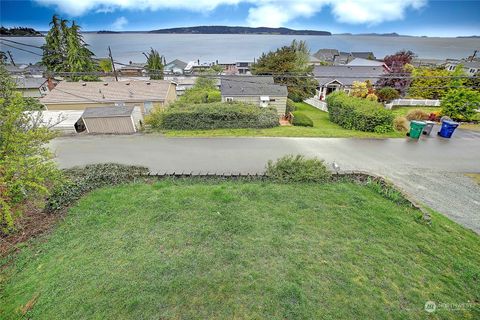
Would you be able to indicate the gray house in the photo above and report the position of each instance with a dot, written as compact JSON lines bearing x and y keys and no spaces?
{"x":333,"y":78}
{"x":175,"y":67}
{"x":259,"y":90}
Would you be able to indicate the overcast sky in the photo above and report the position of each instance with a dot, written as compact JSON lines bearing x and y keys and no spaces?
{"x":413,"y":17}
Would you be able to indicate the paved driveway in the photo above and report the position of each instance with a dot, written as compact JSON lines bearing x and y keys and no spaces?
{"x":430,"y":169}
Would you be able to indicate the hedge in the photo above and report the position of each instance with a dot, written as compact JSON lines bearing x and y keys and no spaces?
{"x":214,"y":116}
{"x":301,"y":119}
{"x":358,"y":114}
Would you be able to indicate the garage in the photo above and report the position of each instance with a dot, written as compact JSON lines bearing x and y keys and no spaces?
{"x":115,"y":119}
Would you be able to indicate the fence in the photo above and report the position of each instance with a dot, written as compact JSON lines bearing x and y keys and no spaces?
{"x":321,"y":105}
{"x":413,"y":102}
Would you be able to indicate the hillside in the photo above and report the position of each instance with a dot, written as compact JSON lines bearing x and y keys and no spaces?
{"x":240,"y":30}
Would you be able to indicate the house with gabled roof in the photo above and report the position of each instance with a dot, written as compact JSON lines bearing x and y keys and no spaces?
{"x":258,"y":90}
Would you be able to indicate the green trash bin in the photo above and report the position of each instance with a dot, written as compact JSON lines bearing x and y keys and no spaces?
{"x":416,"y":129}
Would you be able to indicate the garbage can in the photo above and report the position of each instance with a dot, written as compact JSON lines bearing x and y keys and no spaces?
{"x":448,"y":127}
{"x":416,"y":128}
{"x":428,"y":127}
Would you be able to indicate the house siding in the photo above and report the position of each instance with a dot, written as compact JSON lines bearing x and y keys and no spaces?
{"x":110,"y":125}
{"x":280,"y":103}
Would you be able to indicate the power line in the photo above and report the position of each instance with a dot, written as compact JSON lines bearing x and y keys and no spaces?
{"x":12,"y":46}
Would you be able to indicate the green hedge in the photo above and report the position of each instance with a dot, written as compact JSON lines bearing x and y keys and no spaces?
{"x":359,"y":114}
{"x":214,"y":116}
{"x":301,"y":119}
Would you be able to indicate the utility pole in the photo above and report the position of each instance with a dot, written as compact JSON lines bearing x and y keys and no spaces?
{"x":11,"y":58}
{"x":113,"y":64}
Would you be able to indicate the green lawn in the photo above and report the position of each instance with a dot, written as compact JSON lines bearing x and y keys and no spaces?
{"x":322,"y":127}
{"x":188,"y":249}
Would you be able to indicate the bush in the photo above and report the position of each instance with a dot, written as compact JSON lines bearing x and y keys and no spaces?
{"x":417,"y":114}
{"x":214,"y":116}
{"x":371,"y":97}
{"x":301,"y":119}
{"x":290,"y":106}
{"x":461,"y":104}
{"x":359,"y":114}
{"x":400,"y":124}
{"x":297,"y":168}
{"x":387,"y":94}
{"x":83,"y":180}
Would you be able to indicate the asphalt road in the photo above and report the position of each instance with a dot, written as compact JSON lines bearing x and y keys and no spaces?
{"x":431,"y":169}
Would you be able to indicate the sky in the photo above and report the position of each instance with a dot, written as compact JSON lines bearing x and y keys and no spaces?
{"x":410,"y":17}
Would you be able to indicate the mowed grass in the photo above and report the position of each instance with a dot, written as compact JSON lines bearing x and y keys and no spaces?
{"x":403,"y":111}
{"x":322,"y":127}
{"x":244,"y":250}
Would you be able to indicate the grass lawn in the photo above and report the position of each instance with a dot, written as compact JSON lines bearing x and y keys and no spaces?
{"x":187,"y":249}
{"x":322,"y":127}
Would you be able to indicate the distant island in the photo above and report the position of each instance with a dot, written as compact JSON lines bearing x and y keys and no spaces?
{"x":240,"y":30}
{"x":19,"y":32}
{"x":469,"y":37}
{"x":391,"y":34}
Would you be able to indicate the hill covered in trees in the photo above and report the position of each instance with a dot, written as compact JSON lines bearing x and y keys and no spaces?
{"x":19,"y":32}
{"x":240,"y":30}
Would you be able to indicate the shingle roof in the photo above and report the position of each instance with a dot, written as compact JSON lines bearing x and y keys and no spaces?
{"x":363,"y":54}
{"x":102,"y":112}
{"x":347,"y":74}
{"x":104,"y":92}
{"x":251,"y":86}
{"x":326,"y":54}
{"x":365,"y":62}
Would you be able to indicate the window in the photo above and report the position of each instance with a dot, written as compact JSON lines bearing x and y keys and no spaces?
{"x":272,"y":100}
{"x":148,"y":105}
{"x":229,"y":99}
{"x":472,"y":70}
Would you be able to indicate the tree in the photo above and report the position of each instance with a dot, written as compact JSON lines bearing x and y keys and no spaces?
{"x":398,"y":76}
{"x":428,"y":84}
{"x":66,"y":51}
{"x":359,"y":89}
{"x":154,"y":65}
{"x":204,"y":91}
{"x":387,"y":94}
{"x":26,"y":168}
{"x":461,"y":103}
{"x":105,"y":65}
{"x":289,"y":66}
{"x":3,"y":57}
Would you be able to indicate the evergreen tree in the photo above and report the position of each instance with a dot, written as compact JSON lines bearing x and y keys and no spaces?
{"x":155,"y":65}
{"x":284,"y":64}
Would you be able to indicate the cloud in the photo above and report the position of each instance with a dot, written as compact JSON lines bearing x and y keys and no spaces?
{"x":119,"y":24}
{"x":269,"y":13}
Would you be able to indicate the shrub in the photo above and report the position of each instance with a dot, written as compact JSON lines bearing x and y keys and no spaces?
{"x":83,"y":180}
{"x":213,"y":116}
{"x":387,"y":94}
{"x":417,"y":114}
{"x":297,"y":168}
{"x":461,"y":104}
{"x":290,"y":106}
{"x":371,"y":97}
{"x":301,"y":119}
{"x":359,"y":114}
{"x":400,"y":124}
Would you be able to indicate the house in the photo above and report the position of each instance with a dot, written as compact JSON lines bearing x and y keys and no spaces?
{"x":81,"y":95}
{"x":366,"y":62}
{"x":244,"y":67}
{"x":333,"y":78}
{"x":175,"y":67}
{"x":31,"y":87}
{"x":133,"y":69}
{"x":326,"y":55}
{"x":259,"y":90}
{"x":425,"y":62}
{"x":185,"y":82}
{"x":363,"y":54}
{"x":66,"y":122}
{"x":469,"y":67}
{"x":112,"y":119}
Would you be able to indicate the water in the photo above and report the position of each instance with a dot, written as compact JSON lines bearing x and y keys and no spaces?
{"x":230,"y":48}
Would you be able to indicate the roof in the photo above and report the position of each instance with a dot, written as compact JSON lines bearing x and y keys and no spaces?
{"x":365,"y":62}
{"x":251,"y":86}
{"x":326,"y":54}
{"x":347,"y":74}
{"x":105,"y":92}
{"x":363,"y":54}
{"x":60,"y":119}
{"x":175,"y":64}
{"x":107,"y":112}
{"x":29,"y":82}
{"x":471,"y":64}
{"x":134,"y":65}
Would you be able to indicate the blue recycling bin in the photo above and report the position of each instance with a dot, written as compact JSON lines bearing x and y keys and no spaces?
{"x":448,"y":127}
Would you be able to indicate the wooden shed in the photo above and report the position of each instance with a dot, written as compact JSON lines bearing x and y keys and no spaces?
{"x":114,"y":119}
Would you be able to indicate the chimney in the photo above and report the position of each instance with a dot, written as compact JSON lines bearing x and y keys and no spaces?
{"x":50,"y":84}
